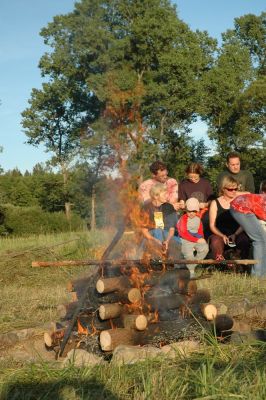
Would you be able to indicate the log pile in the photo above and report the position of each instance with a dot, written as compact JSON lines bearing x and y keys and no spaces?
{"x":135,"y":306}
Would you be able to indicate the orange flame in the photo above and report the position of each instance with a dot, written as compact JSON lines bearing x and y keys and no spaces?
{"x":81,"y":329}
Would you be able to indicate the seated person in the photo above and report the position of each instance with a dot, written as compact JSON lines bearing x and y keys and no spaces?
{"x":195,"y":186}
{"x":160,"y":175}
{"x":249,"y":210}
{"x":225,"y":230}
{"x":159,"y":221}
{"x":190,"y":230}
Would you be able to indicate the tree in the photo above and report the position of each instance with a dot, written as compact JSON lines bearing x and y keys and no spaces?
{"x":134,"y":60}
{"x":234,"y":101}
{"x":55,"y":119}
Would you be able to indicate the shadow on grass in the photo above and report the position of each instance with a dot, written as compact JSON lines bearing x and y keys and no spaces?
{"x":90,"y":389}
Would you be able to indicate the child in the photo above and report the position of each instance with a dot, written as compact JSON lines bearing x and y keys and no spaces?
{"x":190,"y":230}
{"x":159,"y":220}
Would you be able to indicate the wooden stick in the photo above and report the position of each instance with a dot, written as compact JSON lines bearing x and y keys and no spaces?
{"x":66,"y":263}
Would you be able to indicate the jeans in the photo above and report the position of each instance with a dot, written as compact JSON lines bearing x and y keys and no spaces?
{"x":174,"y":246}
{"x":255,"y":231}
{"x":188,"y":249}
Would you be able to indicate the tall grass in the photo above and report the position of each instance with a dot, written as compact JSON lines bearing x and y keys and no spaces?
{"x":233,"y":373}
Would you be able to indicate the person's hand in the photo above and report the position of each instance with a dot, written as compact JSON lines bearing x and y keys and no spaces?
{"x":176,"y":206}
{"x":201,"y":240}
{"x":225,"y":239}
{"x":179,"y":205}
{"x":232,"y":238}
{"x":165,"y":245}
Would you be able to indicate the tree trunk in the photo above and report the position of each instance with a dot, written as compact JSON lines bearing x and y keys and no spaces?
{"x":93,"y":217}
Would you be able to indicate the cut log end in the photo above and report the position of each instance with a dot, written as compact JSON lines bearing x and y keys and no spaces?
{"x":134,"y":295}
{"x":107,"y":311}
{"x":209,"y":311}
{"x":100,"y":286}
{"x":133,"y":321}
{"x":106,"y":341}
{"x":48,"y":341}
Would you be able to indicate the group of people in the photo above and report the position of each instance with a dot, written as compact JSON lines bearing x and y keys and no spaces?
{"x":188,"y":217}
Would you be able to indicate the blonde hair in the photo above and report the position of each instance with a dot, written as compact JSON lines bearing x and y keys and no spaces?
{"x":228,"y":180}
{"x":157,"y":189}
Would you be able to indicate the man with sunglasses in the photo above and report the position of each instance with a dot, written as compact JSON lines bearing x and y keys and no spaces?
{"x":244,"y":178}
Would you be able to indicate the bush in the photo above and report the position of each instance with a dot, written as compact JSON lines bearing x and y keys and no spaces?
{"x":33,"y":220}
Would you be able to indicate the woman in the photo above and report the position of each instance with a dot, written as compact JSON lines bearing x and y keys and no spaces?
{"x":159,"y":221}
{"x":226,"y":232}
{"x":195,"y":186}
{"x":249,"y":210}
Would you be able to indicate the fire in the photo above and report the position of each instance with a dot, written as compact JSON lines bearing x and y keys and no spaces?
{"x":85,"y":331}
{"x":81,"y":329}
{"x":155,"y":317}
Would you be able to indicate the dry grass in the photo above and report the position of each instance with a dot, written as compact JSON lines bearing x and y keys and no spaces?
{"x":29,"y":297}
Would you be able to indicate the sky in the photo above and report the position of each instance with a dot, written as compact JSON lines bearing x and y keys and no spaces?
{"x":21,"y":48}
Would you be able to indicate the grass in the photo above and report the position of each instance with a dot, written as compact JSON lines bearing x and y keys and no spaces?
{"x":29,"y":297}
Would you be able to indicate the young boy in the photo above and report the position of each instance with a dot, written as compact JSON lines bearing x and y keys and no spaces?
{"x":190,"y":230}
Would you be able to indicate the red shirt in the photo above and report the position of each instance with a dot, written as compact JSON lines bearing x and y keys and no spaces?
{"x":183,"y":231}
{"x":251,"y":204}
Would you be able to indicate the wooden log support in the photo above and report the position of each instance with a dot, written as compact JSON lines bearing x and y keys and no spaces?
{"x":66,"y":263}
{"x":110,"y":339}
{"x":169,"y":302}
{"x":222,"y":323}
{"x":52,"y":339}
{"x":112,"y":310}
{"x":125,"y":296}
{"x":132,"y":321}
{"x":109,"y":285}
{"x":201,"y":296}
{"x":209,"y":311}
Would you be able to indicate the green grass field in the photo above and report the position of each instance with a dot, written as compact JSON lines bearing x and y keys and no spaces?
{"x":29,"y":297}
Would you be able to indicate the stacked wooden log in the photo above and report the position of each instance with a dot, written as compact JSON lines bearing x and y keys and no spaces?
{"x":138,"y":306}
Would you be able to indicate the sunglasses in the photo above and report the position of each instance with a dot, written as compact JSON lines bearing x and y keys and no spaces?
{"x":194,"y":211}
{"x":231,"y":189}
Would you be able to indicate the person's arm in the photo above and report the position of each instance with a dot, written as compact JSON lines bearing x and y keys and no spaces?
{"x":172,"y":190}
{"x":148,"y":236}
{"x":144,"y":190}
{"x":234,"y":235}
{"x":171,"y":233}
{"x":212,"y":218}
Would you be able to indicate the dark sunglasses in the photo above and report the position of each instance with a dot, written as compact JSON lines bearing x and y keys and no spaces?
{"x":231,"y":189}
{"x":195,"y":211}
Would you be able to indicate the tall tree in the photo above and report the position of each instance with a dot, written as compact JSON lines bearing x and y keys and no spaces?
{"x":54,"y":119}
{"x":134,"y":58}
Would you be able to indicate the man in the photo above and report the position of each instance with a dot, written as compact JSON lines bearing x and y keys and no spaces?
{"x":160,"y":175}
{"x":243,"y":177}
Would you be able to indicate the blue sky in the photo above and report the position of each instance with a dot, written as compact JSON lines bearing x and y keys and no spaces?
{"x":21,"y":48}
